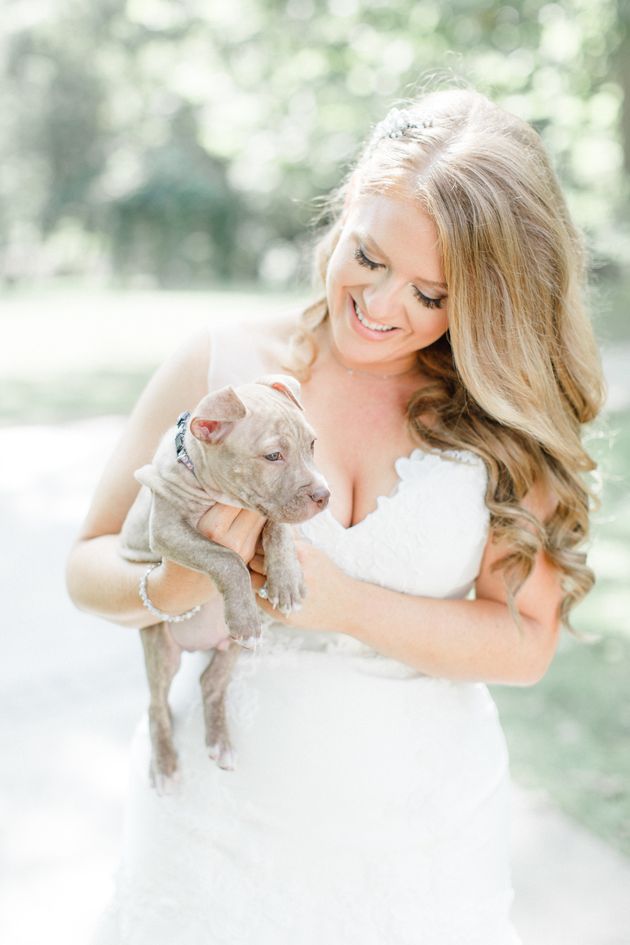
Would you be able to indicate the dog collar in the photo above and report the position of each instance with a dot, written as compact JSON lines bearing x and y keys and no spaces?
{"x":180,"y":449}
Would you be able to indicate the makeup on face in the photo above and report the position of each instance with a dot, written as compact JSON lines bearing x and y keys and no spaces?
{"x":386,"y":292}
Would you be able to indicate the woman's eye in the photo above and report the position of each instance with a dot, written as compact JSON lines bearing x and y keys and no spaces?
{"x":273,"y":457}
{"x":363,"y":260}
{"x":427,"y":300}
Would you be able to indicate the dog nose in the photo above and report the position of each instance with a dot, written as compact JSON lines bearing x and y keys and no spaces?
{"x":320,"y":497}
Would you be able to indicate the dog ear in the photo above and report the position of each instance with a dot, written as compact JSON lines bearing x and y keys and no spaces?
{"x":216,"y":415}
{"x":285,"y":384}
{"x":210,"y":431}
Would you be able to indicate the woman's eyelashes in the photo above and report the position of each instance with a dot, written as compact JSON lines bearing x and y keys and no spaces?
{"x":426,"y":300}
{"x":363,"y":260}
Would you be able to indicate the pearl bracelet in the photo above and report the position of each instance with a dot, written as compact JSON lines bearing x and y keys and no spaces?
{"x":162,"y":617}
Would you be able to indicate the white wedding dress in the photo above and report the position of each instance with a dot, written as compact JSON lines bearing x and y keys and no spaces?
{"x":369,"y":804}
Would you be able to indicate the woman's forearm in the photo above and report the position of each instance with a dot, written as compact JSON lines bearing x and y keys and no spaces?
{"x":452,"y":639}
{"x":101,"y":582}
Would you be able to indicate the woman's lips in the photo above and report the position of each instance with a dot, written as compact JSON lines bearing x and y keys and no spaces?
{"x":372,"y":333}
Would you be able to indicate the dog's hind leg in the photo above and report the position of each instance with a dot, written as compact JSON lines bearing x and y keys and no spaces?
{"x":214,"y":682}
{"x":162,"y":658}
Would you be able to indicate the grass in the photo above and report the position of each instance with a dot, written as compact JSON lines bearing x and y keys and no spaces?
{"x":63,"y":359}
{"x":82,"y":394}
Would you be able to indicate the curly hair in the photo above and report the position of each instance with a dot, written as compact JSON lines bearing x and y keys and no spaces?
{"x":518,"y":372}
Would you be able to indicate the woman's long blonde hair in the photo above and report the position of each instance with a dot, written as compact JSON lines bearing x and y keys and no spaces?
{"x":518,"y":372}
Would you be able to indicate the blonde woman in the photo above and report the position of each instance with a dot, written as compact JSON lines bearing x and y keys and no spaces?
{"x":448,"y":370}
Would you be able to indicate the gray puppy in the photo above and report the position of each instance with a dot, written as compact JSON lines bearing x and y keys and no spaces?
{"x":248,"y":447}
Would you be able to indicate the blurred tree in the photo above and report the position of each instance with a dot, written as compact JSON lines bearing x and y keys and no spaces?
{"x":187,"y":139}
{"x":181,"y":220}
{"x":623,"y":70}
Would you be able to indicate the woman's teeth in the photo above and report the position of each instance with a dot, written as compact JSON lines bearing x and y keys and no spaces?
{"x":368,"y":324}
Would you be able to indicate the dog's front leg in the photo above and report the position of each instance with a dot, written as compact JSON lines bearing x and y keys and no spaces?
{"x":162,"y":656}
{"x":285,"y":581}
{"x":174,"y":538}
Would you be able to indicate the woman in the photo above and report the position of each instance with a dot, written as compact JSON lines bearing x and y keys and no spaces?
{"x":448,"y":371}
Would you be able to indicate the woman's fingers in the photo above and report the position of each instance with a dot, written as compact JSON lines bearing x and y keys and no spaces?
{"x":236,"y":529}
{"x":248,"y":523}
{"x":257,"y":564}
{"x":215,"y":523}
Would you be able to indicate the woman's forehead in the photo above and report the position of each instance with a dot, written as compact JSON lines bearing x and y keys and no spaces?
{"x":400,"y":231}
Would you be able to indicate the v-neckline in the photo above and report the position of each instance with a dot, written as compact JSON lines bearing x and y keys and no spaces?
{"x":451,"y":453}
{"x":389,"y":495}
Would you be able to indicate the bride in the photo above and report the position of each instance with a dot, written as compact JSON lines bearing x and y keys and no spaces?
{"x":448,"y":369}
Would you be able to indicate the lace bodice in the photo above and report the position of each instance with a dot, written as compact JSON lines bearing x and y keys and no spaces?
{"x":426,"y":537}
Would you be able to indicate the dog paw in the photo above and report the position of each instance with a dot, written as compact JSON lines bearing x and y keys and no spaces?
{"x":227,"y":759}
{"x":286,"y":591}
{"x":223,"y":753}
{"x":164,"y":784}
{"x":245,"y":627}
{"x":250,"y":642}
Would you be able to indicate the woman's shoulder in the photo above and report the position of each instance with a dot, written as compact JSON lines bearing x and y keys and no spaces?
{"x":258,"y":329}
{"x":245,"y":348}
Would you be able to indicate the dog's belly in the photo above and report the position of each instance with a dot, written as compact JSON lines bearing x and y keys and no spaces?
{"x":203,"y":631}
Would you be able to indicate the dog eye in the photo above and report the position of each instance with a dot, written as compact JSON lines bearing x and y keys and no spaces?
{"x":273,"y":457}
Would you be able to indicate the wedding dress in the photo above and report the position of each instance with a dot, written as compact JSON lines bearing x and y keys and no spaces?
{"x":369,"y":803}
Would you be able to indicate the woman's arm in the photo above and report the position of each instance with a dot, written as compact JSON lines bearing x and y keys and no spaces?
{"x":452,"y":639}
{"x":99,"y":580}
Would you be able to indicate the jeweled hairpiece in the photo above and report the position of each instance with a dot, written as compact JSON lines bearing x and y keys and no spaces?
{"x":397,"y":123}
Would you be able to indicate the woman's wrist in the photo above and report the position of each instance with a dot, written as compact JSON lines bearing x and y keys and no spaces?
{"x":351,"y":600}
{"x":343,"y":600}
{"x":174,"y":589}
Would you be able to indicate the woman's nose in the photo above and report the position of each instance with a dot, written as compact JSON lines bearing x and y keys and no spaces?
{"x":383,"y":298}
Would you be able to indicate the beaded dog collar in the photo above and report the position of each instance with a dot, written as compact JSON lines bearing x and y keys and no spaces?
{"x":180,"y":449}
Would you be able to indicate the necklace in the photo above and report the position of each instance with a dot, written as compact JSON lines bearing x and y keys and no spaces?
{"x":357,"y":372}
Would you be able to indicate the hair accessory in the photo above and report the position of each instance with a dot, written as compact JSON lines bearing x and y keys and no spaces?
{"x":397,"y":123}
{"x":162,"y":617}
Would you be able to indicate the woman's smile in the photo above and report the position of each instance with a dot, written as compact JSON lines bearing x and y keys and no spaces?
{"x":381,"y":311}
{"x":368,"y":328}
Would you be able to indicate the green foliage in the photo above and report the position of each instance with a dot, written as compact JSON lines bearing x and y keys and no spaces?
{"x":187,"y":140}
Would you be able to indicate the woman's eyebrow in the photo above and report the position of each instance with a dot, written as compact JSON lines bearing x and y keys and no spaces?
{"x":367,"y":239}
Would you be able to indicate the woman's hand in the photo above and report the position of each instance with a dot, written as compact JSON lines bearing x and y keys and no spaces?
{"x":236,"y":529}
{"x":326,"y":589}
{"x":175,"y":588}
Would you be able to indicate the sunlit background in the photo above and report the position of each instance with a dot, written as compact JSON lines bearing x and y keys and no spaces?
{"x":160,"y":168}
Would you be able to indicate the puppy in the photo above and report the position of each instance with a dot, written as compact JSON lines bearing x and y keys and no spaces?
{"x":249,"y":447}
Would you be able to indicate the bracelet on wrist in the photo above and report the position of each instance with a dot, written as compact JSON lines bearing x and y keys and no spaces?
{"x":162,"y":617}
